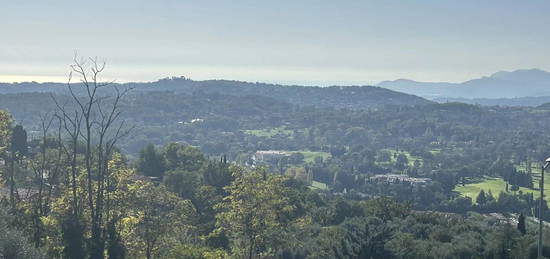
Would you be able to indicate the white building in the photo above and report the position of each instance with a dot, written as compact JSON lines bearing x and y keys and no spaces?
{"x":400,"y":178}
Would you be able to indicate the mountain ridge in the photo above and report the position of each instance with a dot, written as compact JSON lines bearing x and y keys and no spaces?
{"x":502,"y":84}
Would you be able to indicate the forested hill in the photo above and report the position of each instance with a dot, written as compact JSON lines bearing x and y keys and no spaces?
{"x":351,"y":97}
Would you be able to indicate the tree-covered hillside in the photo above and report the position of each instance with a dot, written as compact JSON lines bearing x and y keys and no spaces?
{"x":351,"y":97}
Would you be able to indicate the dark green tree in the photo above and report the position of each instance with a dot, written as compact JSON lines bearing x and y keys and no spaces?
{"x":73,"y":237}
{"x":401,"y":162}
{"x":521,"y":224}
{"x":217,"y":174}
{"x":151,"y":162}
{"x":363,"y":238}
{"x":481,"y":198}
{"x":182,"y":182}
{"x":19,"y":143}
{"x":183,"y":157}
{"x":115,"y":247}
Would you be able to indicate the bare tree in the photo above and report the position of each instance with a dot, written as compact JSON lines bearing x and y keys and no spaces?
{"x":96,"y":121}
{"x":70,"y":122}
{"x":46,"y":175}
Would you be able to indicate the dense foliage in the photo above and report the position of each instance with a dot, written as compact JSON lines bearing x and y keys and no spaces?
{"x":187,"y":180}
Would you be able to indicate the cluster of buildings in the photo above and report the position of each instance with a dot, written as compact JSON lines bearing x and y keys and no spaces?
{"x":400,"y":178}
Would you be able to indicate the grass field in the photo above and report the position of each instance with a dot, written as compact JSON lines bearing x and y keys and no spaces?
{"x":309,"y":156}
{"x":318,"y":185}
{"x":535,"y":168}
{"x":268,"y":133}
{"x":498,"y":185}
{"x":435,"y":151}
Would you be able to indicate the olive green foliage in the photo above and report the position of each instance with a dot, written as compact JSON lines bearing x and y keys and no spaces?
{"x":14,"y":243}
{"x":183,"y":157}
{"x":5,"y":131}
{"x":156,"y":219}
{"x":212,"y":209}
{"x":256,"y":214}
{"x":359,"y":237}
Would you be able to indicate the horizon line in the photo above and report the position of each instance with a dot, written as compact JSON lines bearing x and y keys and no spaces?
{"x":41,"y":79}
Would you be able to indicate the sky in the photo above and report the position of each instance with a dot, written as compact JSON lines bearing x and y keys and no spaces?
{"x":290,"y":42}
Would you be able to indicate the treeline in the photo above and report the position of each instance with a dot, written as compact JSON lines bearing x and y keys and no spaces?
{"x":351,"y":97}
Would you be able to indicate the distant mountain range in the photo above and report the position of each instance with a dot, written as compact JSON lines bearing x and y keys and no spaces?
{"x":515,"y":84}
{"x":520,"y":101}
{"x":348,"y":97}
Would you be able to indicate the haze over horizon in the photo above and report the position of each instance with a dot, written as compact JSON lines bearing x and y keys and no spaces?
{"x":381,"y":83}
{"x":307,"y":43}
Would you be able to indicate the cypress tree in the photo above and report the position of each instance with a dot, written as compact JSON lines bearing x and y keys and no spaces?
{"x":481,"y":199}
{"x":19,"y":143}
{"x":521,"y":224}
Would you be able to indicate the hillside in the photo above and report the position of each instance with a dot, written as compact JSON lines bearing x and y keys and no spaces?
{"x":351,"y":97}
{"x":333,"y":162}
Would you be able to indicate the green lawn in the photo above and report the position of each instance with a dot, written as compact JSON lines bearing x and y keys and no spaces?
{"x":494,"y":185}
{"x":523,"y":167}
{"x":435,"y":151}
{"x":536,"y":180}
{"x":309,"y":156}
{"x":497,"y":185}
{"x":268,"y":133}
{"x":535,"y":170}
{"x":318,"y":185}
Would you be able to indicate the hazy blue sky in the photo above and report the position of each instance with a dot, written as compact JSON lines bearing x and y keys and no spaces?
{"x":307,"y":42}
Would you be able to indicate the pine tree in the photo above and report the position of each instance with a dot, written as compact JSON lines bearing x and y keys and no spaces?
{"x":490,"y":197}
{"x":521,"y":224}
{"x":481,"y":198}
